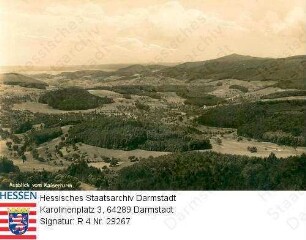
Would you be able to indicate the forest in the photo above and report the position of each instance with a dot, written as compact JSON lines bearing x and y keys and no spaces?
{"x":69,"y":99}
{"x":178,"y":171}
{"x":213,"y":171}
{"x":45,"y":135}
{"x":275,"y":121}
{"x":129,"y":134}
{"x":140,"y":90}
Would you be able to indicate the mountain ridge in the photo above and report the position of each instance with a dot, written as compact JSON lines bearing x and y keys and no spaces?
{"x":288,"y":72}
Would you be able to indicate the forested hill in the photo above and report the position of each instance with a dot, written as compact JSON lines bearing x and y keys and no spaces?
{"x":73,"y":98}
{"x":281,"y":122}
{"x":21,"y":80}
{"x":288,"y":72}
{"x":213,"y":171}
{"x":139,"y":69}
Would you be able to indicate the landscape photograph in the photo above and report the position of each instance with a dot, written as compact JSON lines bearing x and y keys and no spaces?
{"x":153,"y":95}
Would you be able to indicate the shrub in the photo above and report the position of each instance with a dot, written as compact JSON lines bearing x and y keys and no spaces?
{"x":127,"y":96}
{"x":252,"y":149}
{"x":141,"y":106}
{"x":219,"y":141}
{"x":114,"y":162}
{"x":7,"y":166}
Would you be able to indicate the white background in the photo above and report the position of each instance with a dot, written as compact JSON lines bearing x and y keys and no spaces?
{"x":200,"y":215}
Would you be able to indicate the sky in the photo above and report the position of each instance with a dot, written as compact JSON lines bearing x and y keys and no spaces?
{"x":89,"y":32}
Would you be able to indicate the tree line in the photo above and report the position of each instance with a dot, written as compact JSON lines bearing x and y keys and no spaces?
{"x":178,"y":171}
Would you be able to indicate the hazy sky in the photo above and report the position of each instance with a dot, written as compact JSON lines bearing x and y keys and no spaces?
{"x":72,"y":32}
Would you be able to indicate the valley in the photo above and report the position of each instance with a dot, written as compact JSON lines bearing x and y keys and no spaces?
{"x":91,"y":126}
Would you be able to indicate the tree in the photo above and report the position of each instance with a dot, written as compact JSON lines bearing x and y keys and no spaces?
{"x":24,"y":158}
{"x":9,"y":145}
{"x":35,"y":154}
{"x":24,"y":127}
{"x":76,"y":156}
{"x":114,"y":162}
{"x":272,"y":157}
{"x":219,"y":141}
{"x":252,"y":149}
{"x":15,"y":147}
{"x":7,"y":166}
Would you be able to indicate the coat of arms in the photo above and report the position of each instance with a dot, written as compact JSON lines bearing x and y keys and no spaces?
{"x":18,"y":220}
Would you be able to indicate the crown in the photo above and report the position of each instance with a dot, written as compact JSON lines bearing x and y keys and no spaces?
{"x":18,"y":210}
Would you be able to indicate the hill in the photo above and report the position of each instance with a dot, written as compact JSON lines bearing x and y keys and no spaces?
{"x":288,"y":72}
{"x":100,"y":75}
{"x":21,"y":80}
{"x":281,"y":122}
{"x":73,"y":99}
{"x":97,"y":74}
{"x":139,"y":69}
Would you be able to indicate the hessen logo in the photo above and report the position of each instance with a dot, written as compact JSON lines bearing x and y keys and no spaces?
{"x":17,"y":220}
{"x":18,"y":195}
{"x":17,"y":217}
